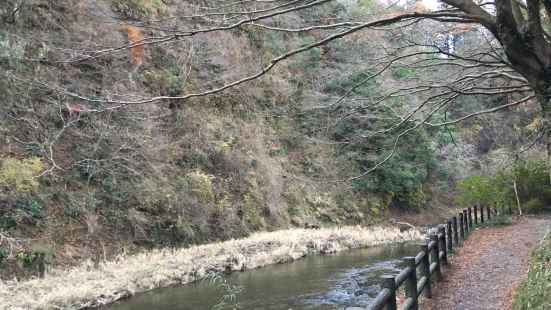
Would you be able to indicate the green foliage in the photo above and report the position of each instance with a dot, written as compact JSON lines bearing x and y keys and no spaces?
{"x":31,"y":262}
{"x":344,"y":84}
{"x":265,"y":41}
{"x":155,"y":193}
{"x":81,"y":203}
{"x":222,"y":142}
{"x":532,"y":182}
{"x":364,"y":7}
{"x":442,"y":135}
{"x":12,"y":50}
{"x":534,"y":292}
{"x":30,"y":259}
{"x":25,"y":208}
{"x":112,"y":193}
{"x":19,"y":174}
{"x":402,"y":73}
{"x":274,"y":44}
{"x":533,"y":205}
{"x":313,"y":60}
{"x":402,"y":175}
{"x":30,"y":209}
{"x":315,"y":57}
{"x":200,"y":183}
{"x":415,"y":199}
{"x":4,"y":253}
{"x":501,"y":219}
{"x":139,"y":9}
{"x":443,"y":177}
{"x":229,"y":292}
{"x":163,"y":81}
{"x":481,"y":190}
{"x":468,"y":103}
{"x":335,"y":8}
{"x":162,"y":176}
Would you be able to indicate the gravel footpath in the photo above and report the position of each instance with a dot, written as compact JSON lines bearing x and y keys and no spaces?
{"x":485,"y":271}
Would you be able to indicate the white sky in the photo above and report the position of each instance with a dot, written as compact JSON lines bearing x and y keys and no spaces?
{"x":431,"y":4}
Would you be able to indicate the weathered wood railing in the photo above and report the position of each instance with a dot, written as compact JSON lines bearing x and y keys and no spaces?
{"x":423,"y":269}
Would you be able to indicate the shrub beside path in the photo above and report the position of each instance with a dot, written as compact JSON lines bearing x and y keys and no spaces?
{"x":486,"y":270}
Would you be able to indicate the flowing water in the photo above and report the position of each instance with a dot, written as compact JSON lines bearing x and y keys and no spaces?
{"x":330,"y":281}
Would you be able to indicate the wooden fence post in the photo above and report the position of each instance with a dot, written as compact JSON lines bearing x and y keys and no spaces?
{"x":455,"y":232}
{"x":489,"y":212}
{"x":461,"y":230}
{"x":475,"y":214}
{"x":389,"y":282}
{"x":442,"y":244}
{"x":435,"y":256}
{"x":41,"y":265}
{"x":481,"y":214}
{"x":411,"y":282}
{"x":466,"y":221}
{"x":424,"y":270}
{"x":470,"y":213}
{"x":449,"y":235}
{"x":428,"y":268}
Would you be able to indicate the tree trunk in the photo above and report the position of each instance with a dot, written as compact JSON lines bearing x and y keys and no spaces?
{"x":546,"y":124}
{"x":542,"y":89}
{"x":516,"y":196}
{"x":549,"y":156}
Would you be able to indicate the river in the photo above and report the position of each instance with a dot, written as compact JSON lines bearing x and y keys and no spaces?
{"x":330,"y":281}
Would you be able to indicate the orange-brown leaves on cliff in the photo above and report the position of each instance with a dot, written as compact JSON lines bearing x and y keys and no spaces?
{"x":137,"y":52}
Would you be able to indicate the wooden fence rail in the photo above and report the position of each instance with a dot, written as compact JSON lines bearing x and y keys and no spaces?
{"x":423,"y":269}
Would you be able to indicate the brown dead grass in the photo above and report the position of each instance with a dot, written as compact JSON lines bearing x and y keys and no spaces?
{"x":137,"y":52}
{"x":90,"y":286}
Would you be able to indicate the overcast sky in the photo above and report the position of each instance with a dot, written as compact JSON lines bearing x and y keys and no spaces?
{"x":431,"y":4}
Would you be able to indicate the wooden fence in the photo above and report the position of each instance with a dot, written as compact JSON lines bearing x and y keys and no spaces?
{"x":424,"y":268}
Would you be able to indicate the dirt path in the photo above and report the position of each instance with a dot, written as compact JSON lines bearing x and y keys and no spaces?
{"x":485,"y":271}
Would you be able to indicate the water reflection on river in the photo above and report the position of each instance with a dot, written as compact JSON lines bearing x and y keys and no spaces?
{"x":331,"y":281}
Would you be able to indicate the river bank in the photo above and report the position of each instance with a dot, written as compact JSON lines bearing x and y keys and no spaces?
{"x":90,"y":286}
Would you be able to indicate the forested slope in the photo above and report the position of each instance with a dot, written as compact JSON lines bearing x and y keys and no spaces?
{"x":90,"y":167}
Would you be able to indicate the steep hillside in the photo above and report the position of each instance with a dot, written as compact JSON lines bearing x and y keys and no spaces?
{"x":88,"y":171}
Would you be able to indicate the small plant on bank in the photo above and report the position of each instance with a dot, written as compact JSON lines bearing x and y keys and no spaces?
{"x":229,"y":291}
{"x":534,"y":292}
{"x":19,"y":174}
{"x":501,"y":219}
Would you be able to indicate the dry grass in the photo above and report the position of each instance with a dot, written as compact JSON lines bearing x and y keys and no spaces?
{"x":137,"y":52}
{"x":89,"y":286}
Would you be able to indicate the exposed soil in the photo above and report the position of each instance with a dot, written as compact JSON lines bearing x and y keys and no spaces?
{"x":485,"y":271}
